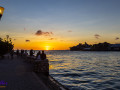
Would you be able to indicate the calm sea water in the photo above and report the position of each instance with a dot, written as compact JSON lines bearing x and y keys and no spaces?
{"x":86,"y":70}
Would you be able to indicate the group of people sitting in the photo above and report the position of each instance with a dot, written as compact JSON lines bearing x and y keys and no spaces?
{"x":39,"y":56}
{"x":21,"y":52}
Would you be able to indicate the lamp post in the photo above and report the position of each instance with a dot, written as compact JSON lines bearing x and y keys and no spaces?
{"x":1,"y":11}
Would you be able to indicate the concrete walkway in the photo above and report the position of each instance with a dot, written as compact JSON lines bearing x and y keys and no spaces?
{"x":19,"y":75}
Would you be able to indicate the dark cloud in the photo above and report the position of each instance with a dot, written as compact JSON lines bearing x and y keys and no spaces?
{"x":117,"y":38}
{"x":97,"y":36}
{"x":52,"y":38}
{"x":69,"y":31}
{"x":40,"y":32}
{"x":27,"y":40}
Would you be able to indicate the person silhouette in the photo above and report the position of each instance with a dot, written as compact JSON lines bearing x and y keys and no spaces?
{"x":43,"y":55}
{"x":38,"y":56}
{"x":31,"y":52}
{"x":12,"y":53}
{"x":17,"y":52}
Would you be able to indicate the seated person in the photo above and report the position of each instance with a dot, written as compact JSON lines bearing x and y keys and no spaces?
{"x":43,"y":55}
{"x":38,"y":56}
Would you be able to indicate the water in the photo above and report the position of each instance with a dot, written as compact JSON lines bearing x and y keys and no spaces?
{"x":86,"y":70}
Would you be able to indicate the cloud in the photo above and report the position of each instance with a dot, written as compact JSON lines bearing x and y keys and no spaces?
{"x":52,"y":38}
{"x":40,"y":32}
{"x":97,"y":36}
{"x":27,"y":40}
{"x":69,"y":31}
{"x":117,"y":38}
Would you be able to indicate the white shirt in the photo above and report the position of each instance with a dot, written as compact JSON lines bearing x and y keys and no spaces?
{"x":38,"y":57}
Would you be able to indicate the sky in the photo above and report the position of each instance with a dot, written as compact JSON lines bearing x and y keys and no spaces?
{"x":60,"y":24}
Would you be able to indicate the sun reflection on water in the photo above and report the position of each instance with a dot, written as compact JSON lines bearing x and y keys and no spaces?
{"x":83,"y":69}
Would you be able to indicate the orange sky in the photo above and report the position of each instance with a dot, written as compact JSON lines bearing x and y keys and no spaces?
{"x":40,"y":43}
{"x":59,"y":24}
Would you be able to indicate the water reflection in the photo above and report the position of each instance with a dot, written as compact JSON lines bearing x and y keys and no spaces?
{"x":85,"y":70}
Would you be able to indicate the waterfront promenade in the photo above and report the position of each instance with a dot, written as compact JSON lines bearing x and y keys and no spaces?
{"x":19,"y":75}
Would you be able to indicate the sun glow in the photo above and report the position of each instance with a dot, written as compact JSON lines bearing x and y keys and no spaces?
{"x":47,"y":47}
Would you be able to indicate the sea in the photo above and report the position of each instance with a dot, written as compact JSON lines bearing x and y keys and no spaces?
{"x":85,"y":70}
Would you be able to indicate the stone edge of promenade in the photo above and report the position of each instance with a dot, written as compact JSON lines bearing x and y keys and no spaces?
{"x":43,"y":74}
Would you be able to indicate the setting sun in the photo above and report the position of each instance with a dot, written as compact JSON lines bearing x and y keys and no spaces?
{"x":47,"y":47}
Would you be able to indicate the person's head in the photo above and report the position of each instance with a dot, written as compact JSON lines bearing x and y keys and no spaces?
{"x":42,"y":51}
{"x":31,"y":50}
{"x":39,"y":52}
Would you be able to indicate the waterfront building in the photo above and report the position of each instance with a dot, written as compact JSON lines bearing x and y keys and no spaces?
{"x":114,"y":47}
{"x":96,"y":47}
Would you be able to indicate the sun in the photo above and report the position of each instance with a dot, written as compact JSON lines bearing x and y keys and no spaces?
{"x":0,"y":11}
{"x":47,"y":47}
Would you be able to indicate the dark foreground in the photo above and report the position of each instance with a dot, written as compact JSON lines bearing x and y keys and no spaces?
{"x":15,"y":74}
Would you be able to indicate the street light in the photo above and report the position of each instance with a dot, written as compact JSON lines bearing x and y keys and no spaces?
{"x":1,"y":11}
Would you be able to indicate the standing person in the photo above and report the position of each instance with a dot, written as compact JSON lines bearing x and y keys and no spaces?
{"x":22,"y":52}
{"x":38,"y":56}
{"x":17,"y":52}
{"x":43,"y":55}
{"x":31,"y":52}
{"x":12,"y":53}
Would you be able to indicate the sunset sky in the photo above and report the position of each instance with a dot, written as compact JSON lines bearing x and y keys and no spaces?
{"x":60,"y":24}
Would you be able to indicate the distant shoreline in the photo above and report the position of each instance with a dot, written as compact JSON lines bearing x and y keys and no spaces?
{"x":96,"y":50}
